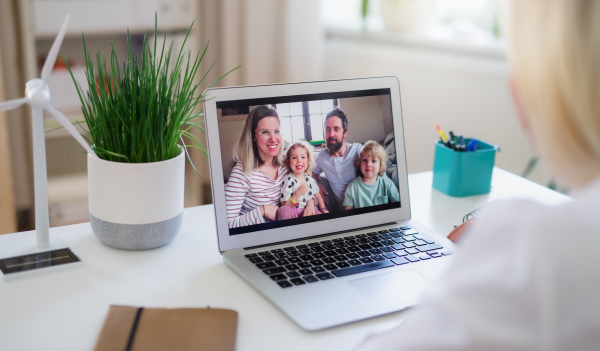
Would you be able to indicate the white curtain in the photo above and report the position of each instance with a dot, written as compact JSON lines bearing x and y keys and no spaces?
{"x":15,"y":155}
{"x":274,"y":40}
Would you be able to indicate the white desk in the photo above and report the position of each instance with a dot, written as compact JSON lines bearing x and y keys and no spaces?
{"x":65,"y":310}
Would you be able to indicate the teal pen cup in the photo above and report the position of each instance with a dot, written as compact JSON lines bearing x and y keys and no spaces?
{"x":464,"y":173}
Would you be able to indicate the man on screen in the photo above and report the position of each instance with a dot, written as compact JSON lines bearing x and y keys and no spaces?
{"x":337,"y":161}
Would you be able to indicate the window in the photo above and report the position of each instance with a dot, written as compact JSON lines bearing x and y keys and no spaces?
{"x":317,"y":112}
{"x":464,"y":21}
{"x":304,"y":120}
{"x":292,"y":121}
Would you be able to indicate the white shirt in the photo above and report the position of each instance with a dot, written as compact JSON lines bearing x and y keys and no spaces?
{"x":526,"y":278}
{"x":245,"y":193}
{"x":291,"y":184}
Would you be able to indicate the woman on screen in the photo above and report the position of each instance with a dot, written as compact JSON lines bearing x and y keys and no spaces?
{"x":527,"y":276}
{"x":253,"y":190}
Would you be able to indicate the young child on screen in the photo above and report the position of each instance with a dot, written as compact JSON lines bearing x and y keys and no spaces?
{"x":299,"y":189}
{"x":370,"y":188}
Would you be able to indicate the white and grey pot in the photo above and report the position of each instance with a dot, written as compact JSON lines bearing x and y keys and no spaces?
{"x":136,"y":206}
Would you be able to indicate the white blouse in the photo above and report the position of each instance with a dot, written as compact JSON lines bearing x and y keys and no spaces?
{"x":527,"y":278}
{"x":291,"y":184}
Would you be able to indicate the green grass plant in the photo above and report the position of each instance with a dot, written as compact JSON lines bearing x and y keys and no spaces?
{"x":139,"y":111}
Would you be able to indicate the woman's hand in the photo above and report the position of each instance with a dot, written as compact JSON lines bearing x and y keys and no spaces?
{"x":269,"y":211}
{"x":457,"y":233}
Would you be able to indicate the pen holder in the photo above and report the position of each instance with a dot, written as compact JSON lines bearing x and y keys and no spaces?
{"x":463,"y":173}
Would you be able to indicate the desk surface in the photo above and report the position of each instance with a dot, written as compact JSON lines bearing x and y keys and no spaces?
{"x":65,"y":310}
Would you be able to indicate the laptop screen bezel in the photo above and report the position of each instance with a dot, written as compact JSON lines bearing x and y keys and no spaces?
{"x":299,"y":231}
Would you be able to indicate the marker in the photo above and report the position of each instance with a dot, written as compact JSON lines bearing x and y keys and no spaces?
{"x":442,"y":135}
{"x":452,"y":143}
{"x":461,"y":143}
{"x":472,"y":146}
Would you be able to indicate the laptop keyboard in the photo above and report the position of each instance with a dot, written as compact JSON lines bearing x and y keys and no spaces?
{"x":329,"y":259}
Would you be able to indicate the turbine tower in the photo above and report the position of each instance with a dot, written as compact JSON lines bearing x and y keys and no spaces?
{"x":23,"y":258}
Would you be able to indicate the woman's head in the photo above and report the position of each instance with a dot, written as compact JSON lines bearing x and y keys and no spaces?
{"x":260,"y":139}
{"x":372,"y":160}
{"x":555,"y":59}
{"x":299,"y":158}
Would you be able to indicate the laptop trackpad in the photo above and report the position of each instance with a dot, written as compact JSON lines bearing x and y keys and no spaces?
{"x":398,"y":290}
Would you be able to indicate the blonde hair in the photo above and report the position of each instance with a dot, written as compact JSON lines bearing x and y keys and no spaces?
{"x":309,"y":154}
{"x":245,"y":151}
{"x":372,"y":148}
{"x":555,"y":59}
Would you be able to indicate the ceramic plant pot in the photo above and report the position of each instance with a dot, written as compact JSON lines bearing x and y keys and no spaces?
{"x":136,"y":206}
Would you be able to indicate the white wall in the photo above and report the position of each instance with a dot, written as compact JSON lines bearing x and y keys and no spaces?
{"x":467,"y":93}
{"x":366,"y":118}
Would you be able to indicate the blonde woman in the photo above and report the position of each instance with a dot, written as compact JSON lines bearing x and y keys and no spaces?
{"x":528,"y":278}
{"x":253,"y":189}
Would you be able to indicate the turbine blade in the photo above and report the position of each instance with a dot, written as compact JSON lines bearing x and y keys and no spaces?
{"x":53,"y":54}
{"x":70,"y":128}
{"x":10,"y":104}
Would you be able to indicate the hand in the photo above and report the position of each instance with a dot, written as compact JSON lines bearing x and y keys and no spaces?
{"x":308,"y":211}
{"x":457,"y":233}
{"x":324,"y":211}
{"x":301,"y":190}
{"x":270,"y":211}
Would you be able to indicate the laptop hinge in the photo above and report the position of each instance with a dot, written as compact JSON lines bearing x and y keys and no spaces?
{"x":318,"y":236}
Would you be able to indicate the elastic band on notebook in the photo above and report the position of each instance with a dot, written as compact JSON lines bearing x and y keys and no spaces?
{"x":134,"y":328}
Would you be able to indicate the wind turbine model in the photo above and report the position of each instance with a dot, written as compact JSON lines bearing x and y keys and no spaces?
{"x":21,"y":258}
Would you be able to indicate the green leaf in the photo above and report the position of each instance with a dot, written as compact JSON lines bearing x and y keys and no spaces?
{"x":137,"y":110}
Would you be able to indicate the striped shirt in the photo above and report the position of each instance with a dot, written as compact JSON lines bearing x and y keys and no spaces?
{"x":244,"y":193}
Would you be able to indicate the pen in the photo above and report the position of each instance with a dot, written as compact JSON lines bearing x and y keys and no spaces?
{"x":461,"y":143}
{"x":472,"y":146}
{"x":442,"y":135}
{"x":452,"y":143}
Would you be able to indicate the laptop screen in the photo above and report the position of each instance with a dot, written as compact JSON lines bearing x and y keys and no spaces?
{"x":329,"y":155}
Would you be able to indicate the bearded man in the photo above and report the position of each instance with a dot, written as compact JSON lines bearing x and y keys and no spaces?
{"x":337,"y":160}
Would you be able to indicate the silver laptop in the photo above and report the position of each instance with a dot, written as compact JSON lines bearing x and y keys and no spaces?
{"x":326,"y":269}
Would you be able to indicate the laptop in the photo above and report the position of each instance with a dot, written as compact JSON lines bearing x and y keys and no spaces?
{"x":331,"y":268}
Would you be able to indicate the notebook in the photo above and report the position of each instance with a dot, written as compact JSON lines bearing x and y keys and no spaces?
{"x":353,"y":252}
{"x":136,"y":328}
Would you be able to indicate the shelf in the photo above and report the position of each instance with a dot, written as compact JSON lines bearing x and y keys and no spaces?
{"x":68,"y":199}
{"x":54,"y":129}
{"x":67,"y":188}
{"x":64,"y":98}
{"x":111,"y":17}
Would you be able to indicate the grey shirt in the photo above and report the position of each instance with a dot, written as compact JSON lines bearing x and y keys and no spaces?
{"x":339,"y":170}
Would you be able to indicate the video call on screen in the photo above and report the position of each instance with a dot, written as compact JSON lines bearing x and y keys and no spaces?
{"x":302,"y":117}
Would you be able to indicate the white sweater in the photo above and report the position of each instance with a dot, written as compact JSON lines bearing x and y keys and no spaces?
{"x":526,"y":278}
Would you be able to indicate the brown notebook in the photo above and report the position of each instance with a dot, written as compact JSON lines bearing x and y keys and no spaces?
{"x":149,"y":329}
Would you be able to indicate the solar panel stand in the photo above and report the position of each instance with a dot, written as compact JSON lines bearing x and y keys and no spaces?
{"x":45,"y":257}
{"x":22,"y":258}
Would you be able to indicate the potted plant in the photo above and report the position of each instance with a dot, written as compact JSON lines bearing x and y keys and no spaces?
{"x":138,"y":114}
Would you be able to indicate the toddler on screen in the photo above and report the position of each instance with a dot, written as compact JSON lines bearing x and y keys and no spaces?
{"x":370,"y":188}
{"x":299,"y":190}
